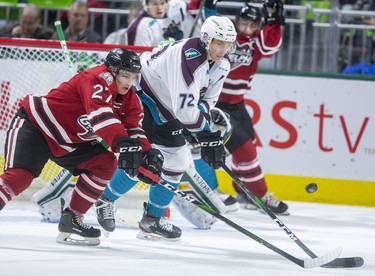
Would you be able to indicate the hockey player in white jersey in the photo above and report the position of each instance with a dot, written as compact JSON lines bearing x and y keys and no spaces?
{"x":179,"y":85}
{"x":160,"y":19}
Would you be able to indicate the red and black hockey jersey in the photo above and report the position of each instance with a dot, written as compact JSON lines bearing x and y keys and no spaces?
{"x":84,"y":108}
{"x":244,"y":61}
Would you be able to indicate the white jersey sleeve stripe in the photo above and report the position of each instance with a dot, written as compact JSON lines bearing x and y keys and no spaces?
{"x":264,"y":49}
{"x":43,"y":126}
{"x":105,"y":124}
{"x":55,"y":122}
{"x":99,"y":111}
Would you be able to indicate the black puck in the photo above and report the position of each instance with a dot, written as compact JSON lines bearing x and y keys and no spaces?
{"x":311,"y":188}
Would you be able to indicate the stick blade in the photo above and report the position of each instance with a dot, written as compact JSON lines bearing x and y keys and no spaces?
{"x":325,"y":259}
{"x":345,"y":262}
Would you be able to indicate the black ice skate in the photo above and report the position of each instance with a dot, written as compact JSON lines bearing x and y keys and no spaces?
{"x":157,"y":228}
{"x":105,"y":214}
{"x":276,"y":206}
{"x":74,"y":232}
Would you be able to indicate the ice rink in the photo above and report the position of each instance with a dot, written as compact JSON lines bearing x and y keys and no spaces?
{"x":28,"y":247}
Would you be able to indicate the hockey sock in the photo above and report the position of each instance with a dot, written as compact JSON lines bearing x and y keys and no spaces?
{"x":246,"y":166}
{"x":206,"y":172}
{"x":13,"y":182}
{"x":159,"y":200}
{"x":86,"y":192}
{"x":119,"y":185}
{"x":6,"y":194}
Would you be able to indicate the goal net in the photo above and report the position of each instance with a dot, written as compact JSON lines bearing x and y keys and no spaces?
{"x":35,"y":67}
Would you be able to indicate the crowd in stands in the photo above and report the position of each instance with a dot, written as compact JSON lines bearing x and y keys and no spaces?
{"x":77,"y":28}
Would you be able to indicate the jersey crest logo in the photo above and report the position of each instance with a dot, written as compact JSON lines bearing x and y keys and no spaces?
{"x":243,"y":55}
{"x":107,"y":77}
{"x":88,"y":134}
{"x":191,"y":53}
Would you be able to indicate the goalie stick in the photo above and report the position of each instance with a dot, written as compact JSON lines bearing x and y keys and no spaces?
{"x":305,"y":263}
{"x":336,"y":263}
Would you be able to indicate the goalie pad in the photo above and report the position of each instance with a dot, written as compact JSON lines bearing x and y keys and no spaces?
{"x":49,"y":198}
{"x":190,"y":212}
{"x":195,"y":186}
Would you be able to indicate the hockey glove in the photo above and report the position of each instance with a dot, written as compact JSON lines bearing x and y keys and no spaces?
{"x":153,"y":161}
{"x":211,"y":4}
{"x":130,"y":157}
{"x":212,"y":148}
{"x":220,"y":120}
{"x":173,"y":32}
{"x":274,"y":10}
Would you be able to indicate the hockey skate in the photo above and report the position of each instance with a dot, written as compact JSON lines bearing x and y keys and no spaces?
{"x":275,"y":205}
{"x":157,"y":228}
{"x":105,"y":214}
{"x":229,"y":201}
{"x":74,"y":232}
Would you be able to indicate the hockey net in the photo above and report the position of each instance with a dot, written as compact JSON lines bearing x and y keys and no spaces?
{"x":35,"y":67}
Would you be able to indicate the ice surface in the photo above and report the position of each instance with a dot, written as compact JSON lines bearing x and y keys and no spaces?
{"x":27,"y":246}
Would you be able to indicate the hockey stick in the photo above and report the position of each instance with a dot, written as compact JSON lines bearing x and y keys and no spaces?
{"x":202,"y":3}
{"x":64,"y":47}
{"x":305,"y":263}
{"x":336,"y":263}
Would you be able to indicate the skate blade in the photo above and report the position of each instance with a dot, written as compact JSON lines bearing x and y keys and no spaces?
{"x":73,"y":239}
{"x":231,"y":208}
{"x":248,"y":206}
{"x":285,"y":213}
{"x":105,"y":232}
{"x":154,"y":237}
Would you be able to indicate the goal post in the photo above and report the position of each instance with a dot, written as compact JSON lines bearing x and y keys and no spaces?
{"x":35,"y":67}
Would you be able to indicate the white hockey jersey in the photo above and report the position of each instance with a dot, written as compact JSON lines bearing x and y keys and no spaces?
{"x":148,"y":31}
{"x":179,"y":83}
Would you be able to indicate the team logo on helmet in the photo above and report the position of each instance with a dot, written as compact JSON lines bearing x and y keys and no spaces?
{"x":191,"y":53}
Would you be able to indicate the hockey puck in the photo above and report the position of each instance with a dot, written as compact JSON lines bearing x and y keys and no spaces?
{"x":311,"y":188}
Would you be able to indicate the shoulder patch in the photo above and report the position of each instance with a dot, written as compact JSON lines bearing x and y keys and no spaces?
{"x":107,"y":77}
{"x":191,"y":53}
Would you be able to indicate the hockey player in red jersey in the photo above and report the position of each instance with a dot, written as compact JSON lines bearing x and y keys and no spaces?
{"x":65,"y":126}
{"x":258,"y":36}
{"x":254,"y":41}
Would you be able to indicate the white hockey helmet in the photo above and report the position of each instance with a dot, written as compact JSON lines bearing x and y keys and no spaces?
{"x":218,"y":27}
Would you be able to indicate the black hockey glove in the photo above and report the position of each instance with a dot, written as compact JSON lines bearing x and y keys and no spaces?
{"x":274,"y":12}
{"x":211,"y":4}
{"x":189,"y":137}
{"x":153,"y":161}
{"x":212,"y":148}
{"x":130,"y":157}
{"x":218,"y":118}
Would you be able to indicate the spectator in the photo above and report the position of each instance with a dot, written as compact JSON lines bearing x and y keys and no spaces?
{"x":78,"y":29}
{"x":370,"y":20}
{"x":362,"y":42}
{"x":160,"y":20}
{"x":29,"y":25}
{"x":147,"y":28}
